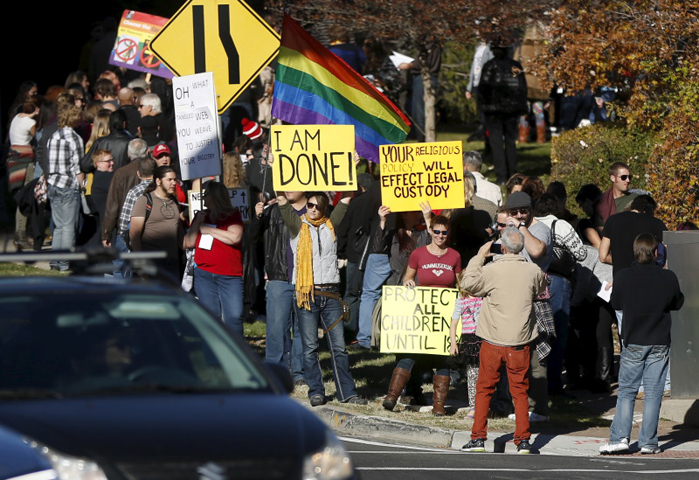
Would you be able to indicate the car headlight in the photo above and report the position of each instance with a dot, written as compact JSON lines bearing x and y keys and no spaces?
{"x":329,"y":463}
{"x":67,"y":467}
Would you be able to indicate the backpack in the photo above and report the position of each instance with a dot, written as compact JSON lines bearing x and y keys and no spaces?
{"x":563,"y":261}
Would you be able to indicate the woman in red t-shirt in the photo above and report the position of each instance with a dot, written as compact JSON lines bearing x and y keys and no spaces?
{"x":216,"y":235}
{"x":435,"y":265}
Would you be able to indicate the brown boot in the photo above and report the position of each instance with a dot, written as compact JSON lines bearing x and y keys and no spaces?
{"x":541,"y":134}
{"x":441,"y":388}
{"x":523,"y":134}
{"x":398,"y":380}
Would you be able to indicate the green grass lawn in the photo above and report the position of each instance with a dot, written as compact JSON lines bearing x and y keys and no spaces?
{"x":18,"y":270}
{"x":372,"y":372}
{"x":533,"y":158}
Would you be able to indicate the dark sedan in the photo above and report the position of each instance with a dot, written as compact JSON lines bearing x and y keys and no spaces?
{"x":134,"y":380}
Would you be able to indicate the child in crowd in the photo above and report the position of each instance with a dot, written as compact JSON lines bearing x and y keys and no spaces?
{"x":466,"y":351}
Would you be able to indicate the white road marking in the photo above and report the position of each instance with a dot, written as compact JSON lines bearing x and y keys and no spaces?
{"x":379,"y":444}
{"x":552,"y":470}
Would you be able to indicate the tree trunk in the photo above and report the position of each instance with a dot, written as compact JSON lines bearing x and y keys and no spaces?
{"x":430,"y":99}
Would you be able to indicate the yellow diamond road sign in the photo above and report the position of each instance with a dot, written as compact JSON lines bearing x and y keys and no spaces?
{"x":225,"y":37}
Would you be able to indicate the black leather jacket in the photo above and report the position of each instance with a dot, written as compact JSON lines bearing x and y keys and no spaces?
{"x":272,"y":230}
{"x":118,"y":145}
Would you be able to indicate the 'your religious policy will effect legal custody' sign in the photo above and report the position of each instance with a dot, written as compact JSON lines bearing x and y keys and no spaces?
{"x":197,"y":126}
{"x":416,"y":320}
{"x":313,"y":157}
{"x":416,"y":172}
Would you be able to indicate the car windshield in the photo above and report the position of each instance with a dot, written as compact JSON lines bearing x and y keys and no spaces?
{"x":78,"y":343}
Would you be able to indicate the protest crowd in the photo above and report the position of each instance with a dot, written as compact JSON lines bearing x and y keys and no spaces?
{"x":94,"y":164}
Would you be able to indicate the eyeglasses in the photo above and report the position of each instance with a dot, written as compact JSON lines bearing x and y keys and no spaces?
{"x":625,"y":177}
{"x":312,"y":206}
{"x":440,"y":232}
{"x":502,"y":225}
{"x":521,"y":211}
{"x":106,"y":160}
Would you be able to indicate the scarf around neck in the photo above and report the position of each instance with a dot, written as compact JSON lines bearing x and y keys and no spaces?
{"x":304,"y":260}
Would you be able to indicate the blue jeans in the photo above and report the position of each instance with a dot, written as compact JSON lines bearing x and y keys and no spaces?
{"x":377,"y":271}
{"x":65,"y":208}
{"x":121,"y":267}
{"x":281,"y":320}
{"x":222,"y":295}
{"x":560,"y":305}
{"x":649,"y":364}
{"x":323,"y":313}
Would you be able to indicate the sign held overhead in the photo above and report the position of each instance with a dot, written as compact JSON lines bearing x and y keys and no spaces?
{"x":197,"y":126}
{"x":417,"y":172}
{"x":313,"y":157}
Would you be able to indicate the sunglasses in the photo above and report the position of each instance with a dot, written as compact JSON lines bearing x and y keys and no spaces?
{"x":521,"y":211}
{"x":440,"y":232}
{"x":625,"y":177}
{"x":502,"y":225}
{"x":311,"y":205}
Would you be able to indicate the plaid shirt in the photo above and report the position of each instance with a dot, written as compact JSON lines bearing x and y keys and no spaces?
{"x":545,"y":326}
{"x":131,"y":197}
{"x":65,"y":150}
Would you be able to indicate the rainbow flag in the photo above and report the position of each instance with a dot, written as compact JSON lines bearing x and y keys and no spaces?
{"x":315,"y":87}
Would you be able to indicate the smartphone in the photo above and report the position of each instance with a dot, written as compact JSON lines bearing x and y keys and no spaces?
{"x":496,"y":248}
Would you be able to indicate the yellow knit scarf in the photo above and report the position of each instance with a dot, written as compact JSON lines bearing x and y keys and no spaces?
{"x":304,"y":261}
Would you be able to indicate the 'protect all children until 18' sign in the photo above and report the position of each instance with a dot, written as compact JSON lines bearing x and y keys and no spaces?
{"x":416,"y":172}
{"x":313,"y":157}
{"x":416,"y":320}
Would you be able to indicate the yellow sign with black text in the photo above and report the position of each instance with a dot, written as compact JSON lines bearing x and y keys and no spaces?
{"x":417,"y":172}
{"x":313,"y":157}
{"x":416,"y":320}
{"x":225,"y":37}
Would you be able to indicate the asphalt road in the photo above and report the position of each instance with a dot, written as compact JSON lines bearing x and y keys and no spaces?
{"x":381,"y":461}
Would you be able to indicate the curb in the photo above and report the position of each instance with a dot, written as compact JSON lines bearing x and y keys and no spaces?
{"x":344,"y":422}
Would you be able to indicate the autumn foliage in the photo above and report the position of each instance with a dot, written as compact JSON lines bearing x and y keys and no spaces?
{"x":650,"y":51}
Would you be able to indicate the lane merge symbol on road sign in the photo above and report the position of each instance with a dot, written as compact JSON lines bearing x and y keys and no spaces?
{"x":225,"y":37}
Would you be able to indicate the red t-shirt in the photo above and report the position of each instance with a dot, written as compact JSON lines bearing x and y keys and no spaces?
{"x":433,"y":270}
{"x":222,"y":259}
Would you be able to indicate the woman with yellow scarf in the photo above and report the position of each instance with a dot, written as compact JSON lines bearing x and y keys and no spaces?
{"x":316,"y":280}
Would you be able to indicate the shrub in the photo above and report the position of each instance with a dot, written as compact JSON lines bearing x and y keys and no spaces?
{"x":585,"y":154}
{"x":673,"y":175}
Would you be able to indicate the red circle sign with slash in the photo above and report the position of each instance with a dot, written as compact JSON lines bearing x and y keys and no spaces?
{"x":148,"y":59}
{"x":126,"y":50}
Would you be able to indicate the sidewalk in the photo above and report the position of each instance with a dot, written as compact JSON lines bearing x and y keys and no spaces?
{"x":676,"y":440}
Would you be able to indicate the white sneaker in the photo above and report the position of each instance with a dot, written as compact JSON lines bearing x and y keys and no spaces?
{"x":533,"y":417}
{"x":615,"y":447}
{"x":650,"y":450}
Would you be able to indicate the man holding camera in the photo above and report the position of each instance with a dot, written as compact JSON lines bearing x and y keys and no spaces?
{"x":508,"y":328}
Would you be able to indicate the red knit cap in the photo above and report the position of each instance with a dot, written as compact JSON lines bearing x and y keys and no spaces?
{"x":251,"y":129}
